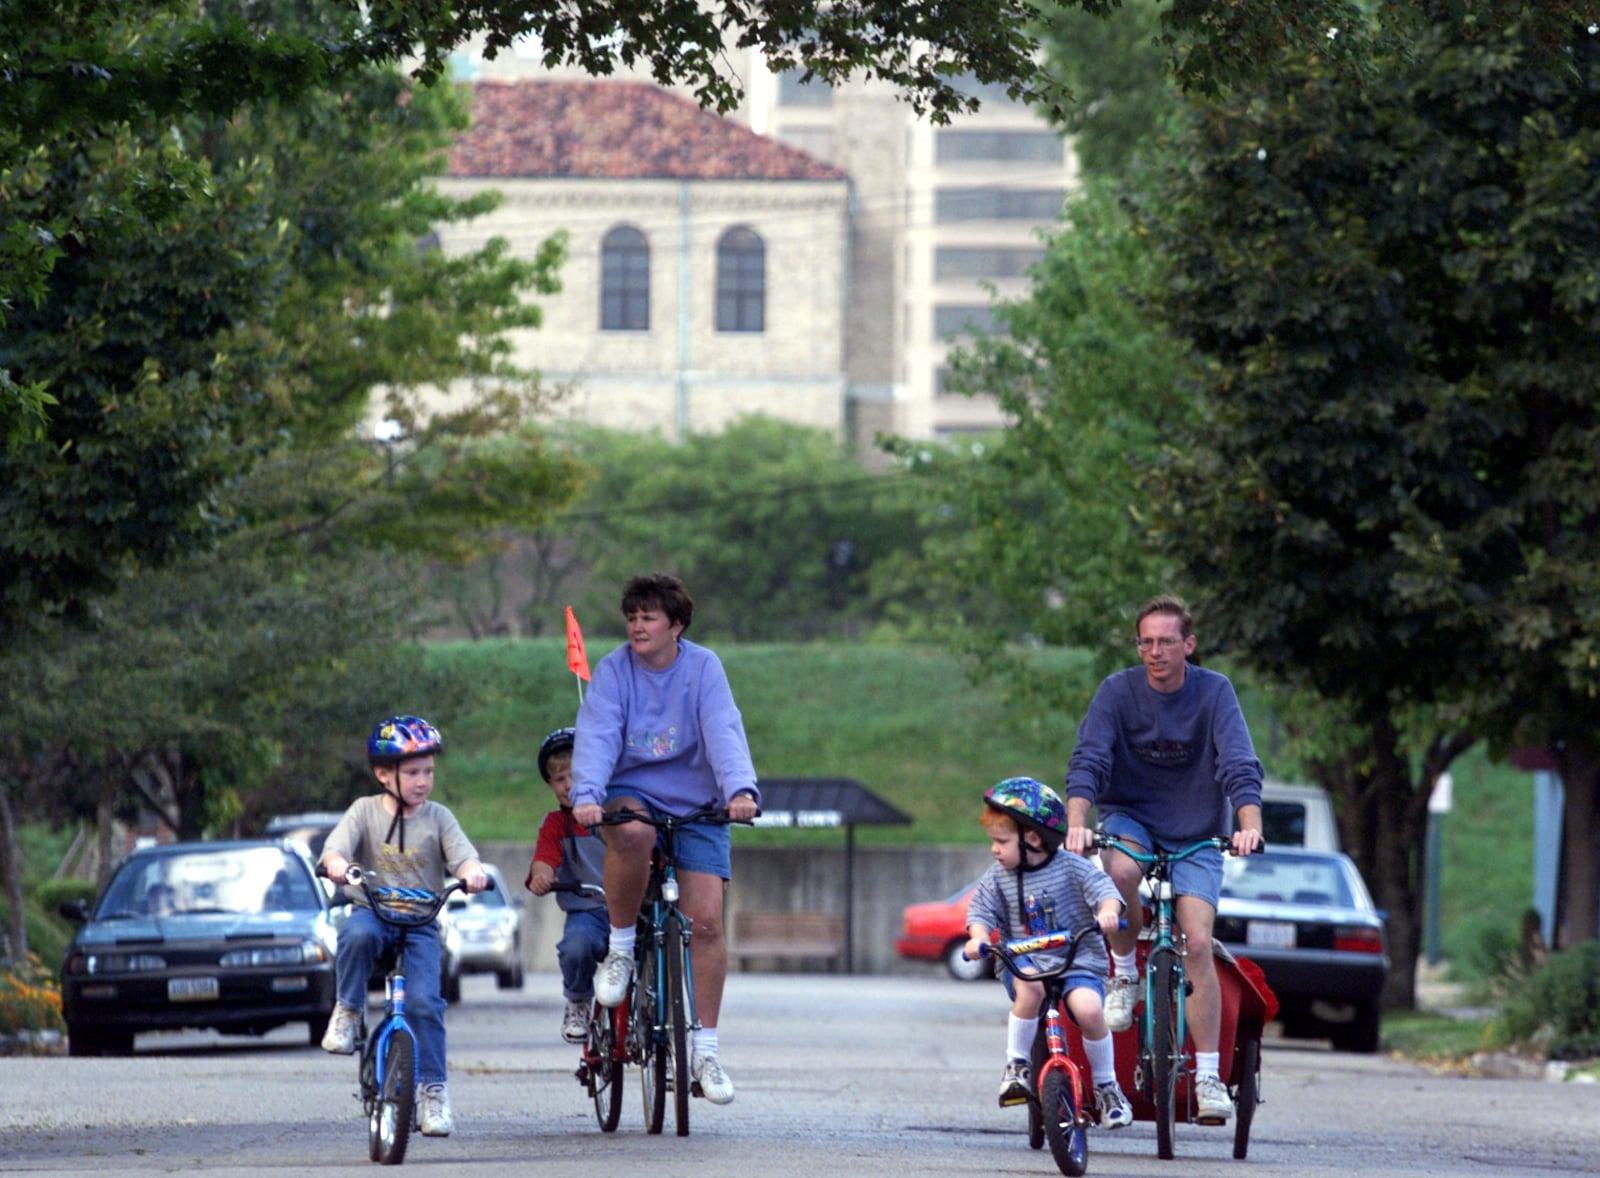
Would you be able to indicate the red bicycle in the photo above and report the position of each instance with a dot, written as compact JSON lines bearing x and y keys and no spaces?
{"x":1059,"y":1109}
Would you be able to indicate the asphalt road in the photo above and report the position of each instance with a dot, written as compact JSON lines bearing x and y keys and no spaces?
{"x":835,"y":1076}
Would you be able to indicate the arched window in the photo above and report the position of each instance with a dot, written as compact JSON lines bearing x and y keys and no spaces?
{"x":741,"y":281}
{"x":624,"y":280}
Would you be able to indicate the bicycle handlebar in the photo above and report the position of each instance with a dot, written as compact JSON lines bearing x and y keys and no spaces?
{"x":583,"y":889}
{"x":710,"y":814}
{"x":1006,"y":952}
{"x":383,"y":899}
{"x":1102,"y":840}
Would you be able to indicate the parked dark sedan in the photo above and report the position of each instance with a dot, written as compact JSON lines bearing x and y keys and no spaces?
{"x":234,"y":936}
{"x":1306,"y":918}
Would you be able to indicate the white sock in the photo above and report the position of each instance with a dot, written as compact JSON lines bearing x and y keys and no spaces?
{"x":1205,"y":1064}
{"x":1019,"y":1036}
{"x":1102,"y":1056}
{"x":623,"y":939}
{"x":705,"y":1042}
{"x":1127,"y":964}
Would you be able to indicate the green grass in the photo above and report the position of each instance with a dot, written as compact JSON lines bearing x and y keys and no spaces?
{"x":1432,"y":1038}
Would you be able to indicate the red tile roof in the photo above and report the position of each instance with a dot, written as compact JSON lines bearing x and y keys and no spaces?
{"x":615,"y":130}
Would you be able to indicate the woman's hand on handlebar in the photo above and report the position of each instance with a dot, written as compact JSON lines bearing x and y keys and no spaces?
{"x":743,"y":808}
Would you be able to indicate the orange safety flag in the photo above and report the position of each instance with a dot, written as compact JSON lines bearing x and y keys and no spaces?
{"x":577,"y":660}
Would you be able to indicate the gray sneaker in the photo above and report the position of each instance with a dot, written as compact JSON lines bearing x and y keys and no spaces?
{"x":575,"y":1022}
{"x":433,"y":1111}
{"x":1016,"y":1083}
{"x":1213,"y":1105}
{"x":710,"y":1081}
{"x":612,"y":979}
{"x":1120,"y":997}
{"x":1111,"y":1107}
{"x":340,"y":1037}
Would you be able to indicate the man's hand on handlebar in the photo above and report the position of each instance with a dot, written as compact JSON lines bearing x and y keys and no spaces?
{"x":588,"y":815}
{"x":743,"y":808}
{"x":1247,"y":841}
{"x":1079,"y":840}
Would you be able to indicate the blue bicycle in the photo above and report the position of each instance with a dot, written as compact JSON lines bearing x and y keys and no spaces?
{"x":388,"y":1073}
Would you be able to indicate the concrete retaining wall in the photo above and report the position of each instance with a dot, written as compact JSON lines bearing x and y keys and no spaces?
{"x":886,"y":879}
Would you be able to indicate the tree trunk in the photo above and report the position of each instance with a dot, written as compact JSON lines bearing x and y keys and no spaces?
{"x":1579,"y":920}
{"x":16,"y":946}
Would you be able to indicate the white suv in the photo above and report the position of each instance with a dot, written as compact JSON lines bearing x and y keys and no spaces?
{"x":1298,"y":816}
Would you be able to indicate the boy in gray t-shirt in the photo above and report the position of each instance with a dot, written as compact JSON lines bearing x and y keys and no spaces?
{"x":404,"y":840}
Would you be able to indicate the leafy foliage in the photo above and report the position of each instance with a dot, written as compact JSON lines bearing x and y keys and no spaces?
{"x":1557,"y":1007}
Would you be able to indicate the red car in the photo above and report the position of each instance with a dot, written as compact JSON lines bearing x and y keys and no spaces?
{"x":938,"y":932}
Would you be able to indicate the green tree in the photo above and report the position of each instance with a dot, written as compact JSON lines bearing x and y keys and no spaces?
{"x":1389,"y":500}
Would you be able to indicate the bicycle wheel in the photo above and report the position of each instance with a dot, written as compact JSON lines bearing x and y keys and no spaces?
{"x":677,"y":1020}
{"x":1058,"y":1104}
{"x":1248,"y":1094}
{"x":389,"y":1126}
{"x":647,"y":1018}
{"x":602,"y":1068}
{"x":1036,"y":1058}
{"x":1163,"y":1049}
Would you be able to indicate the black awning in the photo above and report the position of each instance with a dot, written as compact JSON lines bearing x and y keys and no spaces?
{"x":821,"y":802}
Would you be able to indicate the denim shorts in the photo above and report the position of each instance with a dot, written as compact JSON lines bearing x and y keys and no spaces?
{"x":705,"y":847}
{"x":1199,"y":875}
{"x":1074,"y":979}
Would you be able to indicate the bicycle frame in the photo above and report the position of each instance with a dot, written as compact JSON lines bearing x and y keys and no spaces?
{"x":1162,"y":1055}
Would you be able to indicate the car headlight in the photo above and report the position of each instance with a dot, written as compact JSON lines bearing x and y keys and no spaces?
{"x":99,"y":963}
{"x":307,"y":952}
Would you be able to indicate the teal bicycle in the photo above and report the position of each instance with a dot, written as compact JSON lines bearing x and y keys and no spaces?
{"x":1163,"y":1057}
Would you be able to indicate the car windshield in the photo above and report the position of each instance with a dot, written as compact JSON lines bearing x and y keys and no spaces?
{"x":237,"y":880}
{"x":1298,"y":880}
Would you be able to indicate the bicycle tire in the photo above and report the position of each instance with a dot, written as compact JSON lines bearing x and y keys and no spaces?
{"x":652,"y":1045}
{"x":1163,"y":1049}
{"x":1247,"y":1094}
{"x":1036,"y":1058}
{"x":1058,"y":1105}
{"x":678,"y":1020}
{"x":603,"y":1067}
{"x":389,"y":1126}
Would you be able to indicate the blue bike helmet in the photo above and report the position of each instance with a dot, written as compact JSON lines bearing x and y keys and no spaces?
{"x":559,"y":741}
{"x":400,"y":738}
{"x":1032,"y":804}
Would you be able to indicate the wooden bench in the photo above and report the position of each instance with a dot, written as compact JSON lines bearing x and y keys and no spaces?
{"x":788,"y":935}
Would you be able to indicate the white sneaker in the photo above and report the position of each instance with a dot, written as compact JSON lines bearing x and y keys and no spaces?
{"x":575,"y":1022}
{"x":340,"y":1037}
{"x":1213,"y":1105}
{"x":710,"y":1081}
{"x":612,"y":979}
{"x":1016,"y":1083}
{"x":433,"y":1111}
{"x":1111,"y":1107}
{"x":1121,"y":993}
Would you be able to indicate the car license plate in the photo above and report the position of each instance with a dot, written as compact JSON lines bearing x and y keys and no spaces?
{"x":1270,"y":934}
{"x":192,"y":990}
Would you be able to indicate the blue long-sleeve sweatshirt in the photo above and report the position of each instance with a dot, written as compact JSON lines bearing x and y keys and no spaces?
{"x":1179,"y":762}
{"x":674,"y":735}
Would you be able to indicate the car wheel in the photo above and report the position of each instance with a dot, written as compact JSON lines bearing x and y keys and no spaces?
{"x":960,"y":968}
{"x":509,"y":979}
{"x":1360,"y":1034}
{"x":318,"y":1027}
{"x":452,"y":988}
{"x":101,"y":1042}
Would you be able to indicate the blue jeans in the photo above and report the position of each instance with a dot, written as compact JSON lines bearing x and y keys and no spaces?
{"x":362,"y":941}
{"x":584,"y":940}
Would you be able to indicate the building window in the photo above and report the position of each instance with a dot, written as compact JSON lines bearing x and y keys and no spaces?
{"x":984,"y":262}
{"x":624,"y":280}
{"x":794,"y":92}
{"x":741,"y":281}
{"x":961,"y":318}
{"x":1030,"y":147}
{"x":998,"y":204}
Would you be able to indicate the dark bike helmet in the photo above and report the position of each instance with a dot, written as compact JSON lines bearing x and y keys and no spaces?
{"x":559,"y":741}
{"x":400,"y":738}
{"x":1032,"y":804}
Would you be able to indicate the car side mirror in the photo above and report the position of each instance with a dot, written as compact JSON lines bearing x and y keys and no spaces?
{"x":77,"y":911}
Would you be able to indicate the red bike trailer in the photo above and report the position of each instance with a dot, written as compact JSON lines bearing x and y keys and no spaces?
{"x":1248,"y":1005}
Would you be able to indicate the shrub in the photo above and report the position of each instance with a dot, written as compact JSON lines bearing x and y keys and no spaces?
{"x":29,"y":999}
{"x":1557,"y":1008}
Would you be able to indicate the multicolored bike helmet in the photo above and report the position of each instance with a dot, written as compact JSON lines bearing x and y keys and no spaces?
{"x":1033,"y":804}
{"x":559,"y":741}
{"x":400,"y":738}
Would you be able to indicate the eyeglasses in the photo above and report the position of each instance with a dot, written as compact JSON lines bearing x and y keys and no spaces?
{"x":1162,"y":644}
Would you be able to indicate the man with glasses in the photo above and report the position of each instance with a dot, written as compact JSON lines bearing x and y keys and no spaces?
{"x":1165,"y":759}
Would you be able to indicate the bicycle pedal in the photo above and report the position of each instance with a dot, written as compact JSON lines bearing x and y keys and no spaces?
{"x":582,"y":1073}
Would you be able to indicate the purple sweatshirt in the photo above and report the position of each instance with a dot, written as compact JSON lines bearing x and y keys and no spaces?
{"x":676,"y":735}
{"x":1178,"y":762}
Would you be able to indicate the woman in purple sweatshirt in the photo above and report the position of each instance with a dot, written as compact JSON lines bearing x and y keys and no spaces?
{"x":658,"y":730}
